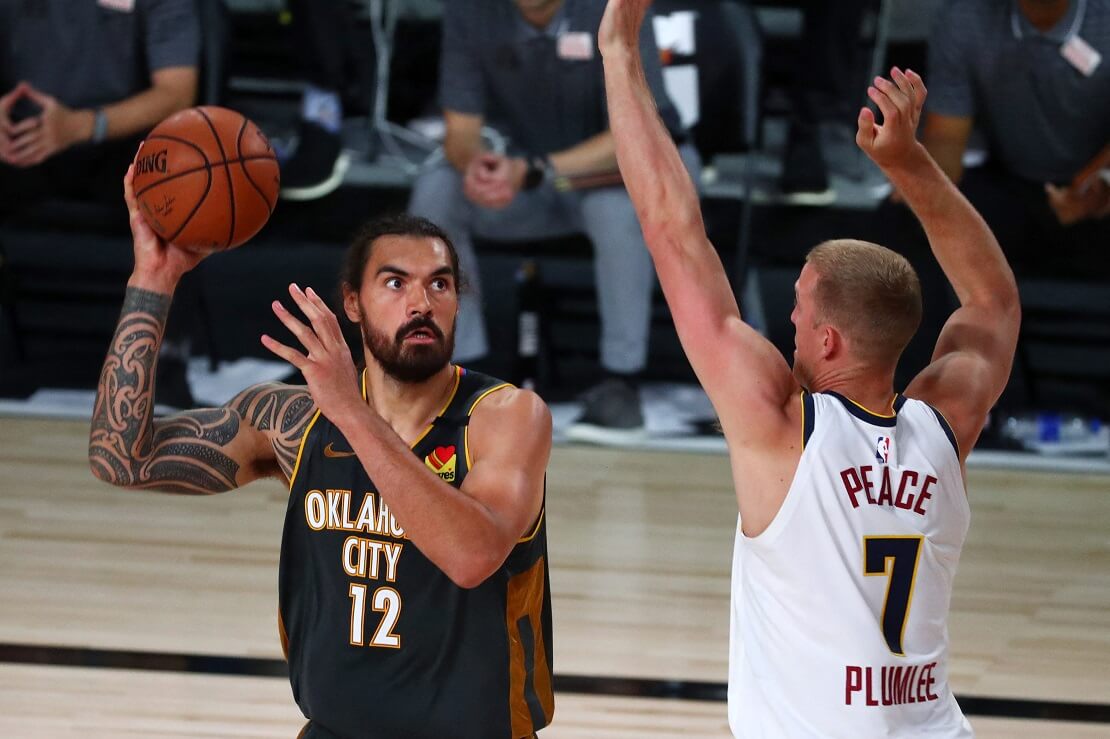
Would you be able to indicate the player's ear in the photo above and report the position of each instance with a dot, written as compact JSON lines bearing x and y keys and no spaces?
{"x":350,"y":304}
{"x":832,"y":342}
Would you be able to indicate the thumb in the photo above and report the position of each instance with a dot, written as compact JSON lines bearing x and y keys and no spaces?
{"x":865,"y":135}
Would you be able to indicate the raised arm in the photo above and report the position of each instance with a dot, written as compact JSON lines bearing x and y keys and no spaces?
{"x":722,"y":349}
{"x":201,"y":451}
{"x":975,"y":352}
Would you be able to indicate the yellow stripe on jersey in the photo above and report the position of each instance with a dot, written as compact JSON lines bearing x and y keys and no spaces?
{"x":300,"y":450}
{"x":524,"y":603}
{"x":535,"y":529}
{"x":450,"y":400}
{"x":466,"y":429}
{"x":865,"y":409}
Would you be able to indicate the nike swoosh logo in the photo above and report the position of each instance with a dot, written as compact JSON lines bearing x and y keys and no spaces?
{"x":332,"y":454}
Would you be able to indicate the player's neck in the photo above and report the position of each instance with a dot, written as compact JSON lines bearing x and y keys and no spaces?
{"x":1044,"y":14}
{"x":861,"y":384}
{"x":408,"y":407}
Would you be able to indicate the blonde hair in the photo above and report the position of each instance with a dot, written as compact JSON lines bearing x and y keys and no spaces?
{"x":869,"y":293}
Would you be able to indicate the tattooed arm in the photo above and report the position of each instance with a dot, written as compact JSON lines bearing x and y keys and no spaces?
{"x":202,"y":451}
{"x":210,"y":450}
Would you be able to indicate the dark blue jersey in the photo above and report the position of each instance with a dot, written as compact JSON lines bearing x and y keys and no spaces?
{"x":380,"y":642}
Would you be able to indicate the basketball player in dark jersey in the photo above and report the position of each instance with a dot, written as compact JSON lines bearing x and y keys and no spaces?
{"x":413,"y":585}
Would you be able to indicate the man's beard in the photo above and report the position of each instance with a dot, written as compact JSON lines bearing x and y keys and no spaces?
{"x":414,"y":362}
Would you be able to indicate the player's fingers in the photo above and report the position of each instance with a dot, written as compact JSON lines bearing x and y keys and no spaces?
{"x":865,"y":131}
{"x":919,"y":90}
{"x":899,"y":78}
{"x":304,"y":334}
{"x":311,"y":309}
{"x":289,"y":354}
{"x":886,"y":105}
{"x":129,"y":190}
{"x":897,"y":97}
{"x":329,"y":319}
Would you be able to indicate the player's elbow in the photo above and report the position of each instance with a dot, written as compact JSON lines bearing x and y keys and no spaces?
{"x":107,"y":470}
{"x":475,"y":567}
{"x":672,"y":234}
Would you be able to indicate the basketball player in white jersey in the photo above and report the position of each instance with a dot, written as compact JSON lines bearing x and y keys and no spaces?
{"x":852,"y":502}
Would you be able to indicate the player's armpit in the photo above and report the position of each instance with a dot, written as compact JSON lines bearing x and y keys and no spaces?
{"x":970,"y":368}
{"x":508,"y":447}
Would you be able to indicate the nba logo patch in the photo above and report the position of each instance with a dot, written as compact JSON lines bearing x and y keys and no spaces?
{"x":442,"y":462}
{"x":882,"y":449}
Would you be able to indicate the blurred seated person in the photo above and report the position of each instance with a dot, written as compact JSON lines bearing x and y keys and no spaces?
{"x":532,"y":69}
{"x":83,"y":81}
{"x":1033,"y":77}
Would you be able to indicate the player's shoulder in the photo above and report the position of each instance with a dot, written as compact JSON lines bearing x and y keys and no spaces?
{"x":509,"y":406}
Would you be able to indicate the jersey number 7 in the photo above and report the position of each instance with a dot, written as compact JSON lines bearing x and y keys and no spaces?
{"x":896,"y":557}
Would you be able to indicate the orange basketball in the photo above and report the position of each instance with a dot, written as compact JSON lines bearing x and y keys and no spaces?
{"x":206,"y":179}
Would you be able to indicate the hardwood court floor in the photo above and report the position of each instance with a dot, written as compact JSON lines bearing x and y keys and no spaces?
{"x":640,"y":554}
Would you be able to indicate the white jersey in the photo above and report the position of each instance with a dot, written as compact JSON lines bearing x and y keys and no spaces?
{"x":840,"y":607}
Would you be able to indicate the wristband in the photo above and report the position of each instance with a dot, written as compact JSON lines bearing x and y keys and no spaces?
{"x":100,"y":126}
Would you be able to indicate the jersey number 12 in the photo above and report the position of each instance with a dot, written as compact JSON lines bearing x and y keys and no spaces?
{"x":385,"y":601}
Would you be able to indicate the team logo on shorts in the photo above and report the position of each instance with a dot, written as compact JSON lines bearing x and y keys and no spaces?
{"x":882,"y":449}
{"x":442,"y":462}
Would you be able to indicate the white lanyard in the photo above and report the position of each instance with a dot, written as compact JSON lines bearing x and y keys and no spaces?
{"x":1072,"y":32}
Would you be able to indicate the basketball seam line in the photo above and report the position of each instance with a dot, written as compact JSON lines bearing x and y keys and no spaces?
{"x":207,"y":186}
{"x":193,"y":212}
{"x":227,"y":170}
{"x":201,"y":169}
{"x":246,"y":173}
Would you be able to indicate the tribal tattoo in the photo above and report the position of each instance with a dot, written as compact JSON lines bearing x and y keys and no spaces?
{"x":189,"y":452}
{"x":282,"y":412}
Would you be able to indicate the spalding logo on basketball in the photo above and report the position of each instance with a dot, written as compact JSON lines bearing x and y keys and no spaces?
{"x":206,"y":179}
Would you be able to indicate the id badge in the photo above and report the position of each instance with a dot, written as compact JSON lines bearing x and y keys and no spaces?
{"x":1081,"y":55}
{"x":123,"y":6}
{"x":575,"y":46}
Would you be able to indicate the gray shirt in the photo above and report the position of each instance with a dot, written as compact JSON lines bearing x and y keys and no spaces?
{"x":1043,"y":119}
{"x":88,"y":53}
{"x":496,"y":65}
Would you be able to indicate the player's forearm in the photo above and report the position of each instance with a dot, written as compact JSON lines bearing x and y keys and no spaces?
{"x":595,"y":154}
{"x":143,"y":111}
{"x":455,"y":531}
{"x":123,"y":413}
{"x":126,"y":448}
{"x":657,"y":181}
{"x":960,"y":239}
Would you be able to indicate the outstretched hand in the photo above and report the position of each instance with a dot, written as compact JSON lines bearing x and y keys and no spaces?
{"x":154,"y":258}
{"x":620,"y":26}
{"x":900,"y":99}
{"x":327,"y":367}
